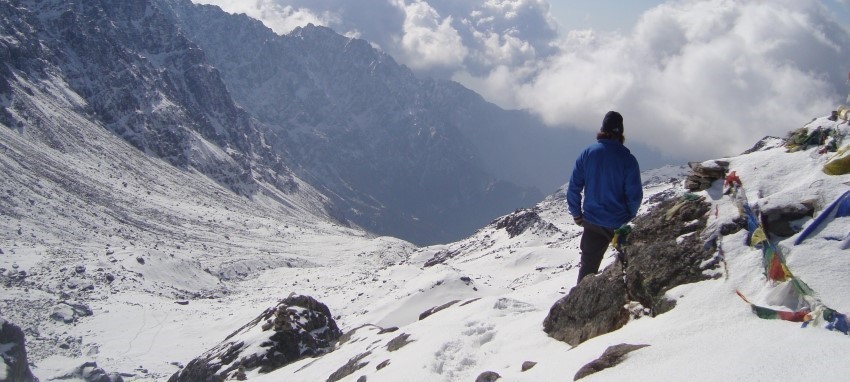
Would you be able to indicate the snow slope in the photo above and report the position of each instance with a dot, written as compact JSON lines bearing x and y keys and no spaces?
{"x":93,"y":225}
{"x":505,"y":287}
{"x":169,"y":262}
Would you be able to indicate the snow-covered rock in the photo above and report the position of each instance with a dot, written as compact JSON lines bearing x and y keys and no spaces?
{"x":297,"y":327}
{"x":663,"y":251}
{"x":89,"y":372}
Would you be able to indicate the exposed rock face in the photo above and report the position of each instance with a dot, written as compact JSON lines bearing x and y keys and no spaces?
{"x":705,"y":173}
{"x":610,"y":358}
{"x":664,"y":251}
{"x":143,"y":79}
{"x":436,"y":309}
{"x":350,"y":367}
{"x":519,"y":222}
{"x":69,"y":311}
{"x":488,"y":376}
{"x":522,"y":220}
{"x":298,"y":327}
{"x":779,"y":219}
{"x":13,"y":353}
{"x":425,"y":160}
{"x":592,"y":308}
{"x":90,"y":372}
{"x":398,"y":342}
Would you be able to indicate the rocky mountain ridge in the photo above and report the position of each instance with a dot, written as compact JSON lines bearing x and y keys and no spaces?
{"x":137,"y":74}
{"x":421,"y":159}
{"x":221,"y":94}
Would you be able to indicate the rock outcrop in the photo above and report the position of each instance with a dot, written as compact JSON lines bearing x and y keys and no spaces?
{"x":703,"y":174}
{"x":70,"y":311}
{"x":592,"y":308}
{"x":488,"y":376}
{"x":522,"y":220}
{"x":612,"y":356}
{"x":90,"y":372}
{"x":13,"y":354}
{"x":350,"y":367}
{"x":298,"y":327}
{"x":664,"y":251}
{"x":782,"y":219}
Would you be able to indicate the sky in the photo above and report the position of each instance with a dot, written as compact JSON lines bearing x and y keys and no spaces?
{"x":693,"y":79}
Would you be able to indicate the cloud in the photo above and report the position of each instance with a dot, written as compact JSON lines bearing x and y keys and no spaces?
{"x":434,"y":37}
{"x":429,"y":41}
{"x":694,"y":78}
{"x":276,"y":15}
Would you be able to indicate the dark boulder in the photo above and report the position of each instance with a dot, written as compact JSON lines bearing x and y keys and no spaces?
{"x":398,"y":342}
{"x":592,"y":308}
{"x":698,"y":183}
{"x":664,"y":251}
{"x":350,"y":367}
{"x":436,"y":309}
{"x":441,"y":257}
{"x":762,"y":144}
{"x":710,"y":169}
{"x":70,"y":311}
{"x":488,"y":376}
{"x":13,"y":352}
{"x":298,"y":327}
{"x":703,"y":174}
{"x":90,"y":372}
{"x":610,"y":358}
{"x":781,"y":219}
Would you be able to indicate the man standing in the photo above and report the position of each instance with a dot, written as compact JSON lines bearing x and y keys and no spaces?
{"x":609,"y":175}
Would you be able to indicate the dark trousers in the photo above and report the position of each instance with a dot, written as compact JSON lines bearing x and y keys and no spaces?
{"x":594,"y":244}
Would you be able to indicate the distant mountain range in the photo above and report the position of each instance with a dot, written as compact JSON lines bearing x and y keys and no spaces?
{"x":421,"y":159}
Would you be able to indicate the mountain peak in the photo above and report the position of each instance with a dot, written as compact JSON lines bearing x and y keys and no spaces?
{"x":315,"y":31}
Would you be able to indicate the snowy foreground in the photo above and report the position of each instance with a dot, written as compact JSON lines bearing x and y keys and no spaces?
{"x":235,"y":260}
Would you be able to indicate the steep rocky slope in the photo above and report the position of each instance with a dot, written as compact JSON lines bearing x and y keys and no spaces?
{"x":136,"y":74}
{"x":422,"y":159}
{"x":132,"y":184}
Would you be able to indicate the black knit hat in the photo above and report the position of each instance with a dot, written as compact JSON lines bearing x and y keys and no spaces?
{"x":612,"y":123}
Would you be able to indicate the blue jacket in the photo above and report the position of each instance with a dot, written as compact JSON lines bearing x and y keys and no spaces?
{"x":609,"y":175}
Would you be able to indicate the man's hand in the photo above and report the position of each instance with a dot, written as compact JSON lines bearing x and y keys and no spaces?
{"x":578,"y":219}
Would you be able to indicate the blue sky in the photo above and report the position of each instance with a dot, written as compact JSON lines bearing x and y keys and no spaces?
{"x":609,"y":15}
{"x":621,"y":16}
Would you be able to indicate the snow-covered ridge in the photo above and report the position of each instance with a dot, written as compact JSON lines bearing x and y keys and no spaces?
{"x":494,"y":289}
{"x":504,"y":281}
{"x":100,"y":239}
{"x":421,"y":159}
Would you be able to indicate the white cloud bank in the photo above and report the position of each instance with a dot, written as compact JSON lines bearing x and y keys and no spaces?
{"x":427,"y":39}
{"x":695,"y":79}
{"x":702,"y":78}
